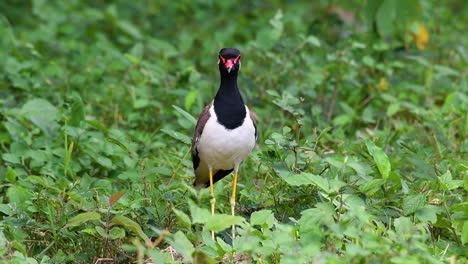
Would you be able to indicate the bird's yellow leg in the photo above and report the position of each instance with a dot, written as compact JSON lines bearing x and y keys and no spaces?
{"x":233,"y":201}
{"x":213,"y":199}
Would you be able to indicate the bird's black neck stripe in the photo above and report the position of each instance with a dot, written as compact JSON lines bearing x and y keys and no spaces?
{"x":228,"y":104}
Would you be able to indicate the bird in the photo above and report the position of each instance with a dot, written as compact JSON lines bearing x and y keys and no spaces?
{"x":225,"y":133}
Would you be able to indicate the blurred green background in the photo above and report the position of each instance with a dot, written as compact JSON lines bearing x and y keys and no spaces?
{"x":363,"y":127}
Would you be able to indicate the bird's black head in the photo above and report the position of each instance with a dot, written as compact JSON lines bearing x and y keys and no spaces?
{"x":229,"y":60}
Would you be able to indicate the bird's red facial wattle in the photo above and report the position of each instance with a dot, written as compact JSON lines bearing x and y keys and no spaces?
{"x":229,"y":63}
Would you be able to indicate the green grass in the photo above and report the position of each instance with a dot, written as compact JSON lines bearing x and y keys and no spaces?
{"x":363,"y":135}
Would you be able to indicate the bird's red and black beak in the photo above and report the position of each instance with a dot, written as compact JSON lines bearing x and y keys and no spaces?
{"x":229,"y":63}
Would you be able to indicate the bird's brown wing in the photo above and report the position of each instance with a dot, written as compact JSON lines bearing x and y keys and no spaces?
{"x":202,"y":119}
{"x":254,"y":118}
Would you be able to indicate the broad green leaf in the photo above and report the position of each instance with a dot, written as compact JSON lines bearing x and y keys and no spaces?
{"x":137,"y":50}
{"x":83,"y":218}
{"x":159,"y":256}
{"x":131,"y":175}
{"x":101,"y":231}
{"x":6,"y":209}
{"x":304,"y":178}
{"x":314,"y":41}
{"x":428,"y":214}
{"x":385,"y":16}
{"x":219,"y":222}
{"x":464,"y":235}
{"x":199,"y":215}
{"x":104,"y":161}
{"x":447,"y":183}
{"x":116,"y":233}
{"x":372,"y":186}
{"x":403,"y":225}
{"x":18,"y":195}
{"x":413,"y":203}
{"x":312,"y":218}
{"x":183,"y":246}
{"x":183,"y":218}
{"x":41,"y":113}
{"x":393,"y":109}
{"x":10,"y":175}
{"x":130,"y":225}
{"x":380,"y":158}
{"x":263,"y":218}
{"x":190,"y":99}
{"x":220,"y":244}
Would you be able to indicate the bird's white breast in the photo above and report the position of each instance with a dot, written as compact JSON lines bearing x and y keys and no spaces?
{"x":223,"y":148}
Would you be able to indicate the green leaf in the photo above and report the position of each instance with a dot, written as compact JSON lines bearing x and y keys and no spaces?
{"x":18,"y":195}
{"x":129,"y":224}
{"x":380,"y":158}
{"x":104,"y":161}
{"x":268,"y":37}
{"x":219,"y":222}
{"x":263,"y":218}
{"x":199,"y":215}
{"x":83,"y":218}
{"x":101,"y":231}
{"x":77,"y":112}
{"x":177,"y":135}
{"x":6,"y":209}
{"x":183,"y":218}
{"x":225,"y":247}
{"x":385,"y":17}
{"x":403,"y":225}
{"x":129,"y":28}
{"x":10,"y":175}
{"x":98,"y":125}
{"x":185,"y":114}
{"x":312,"y":218}
{"x":41,"y":113}
{"x":190,"y":99}
{"x":118,"y":143}
{"x":428,"y":214}
{"x":393,"y":109}
{"x":372,"y":186}
{"x":447,"y":183}
{"x":116,"y":233}
{"x":413,"y":203}
{"x":304,"y":178}
{"x":464,"y":235}
{"x":314,"y":41}
{"x":183,"y":246}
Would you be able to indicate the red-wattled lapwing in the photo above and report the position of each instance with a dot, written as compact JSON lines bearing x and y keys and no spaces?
{"x":225,"y":132}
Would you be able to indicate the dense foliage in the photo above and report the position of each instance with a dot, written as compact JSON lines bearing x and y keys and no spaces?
{"x":363,"y":131}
